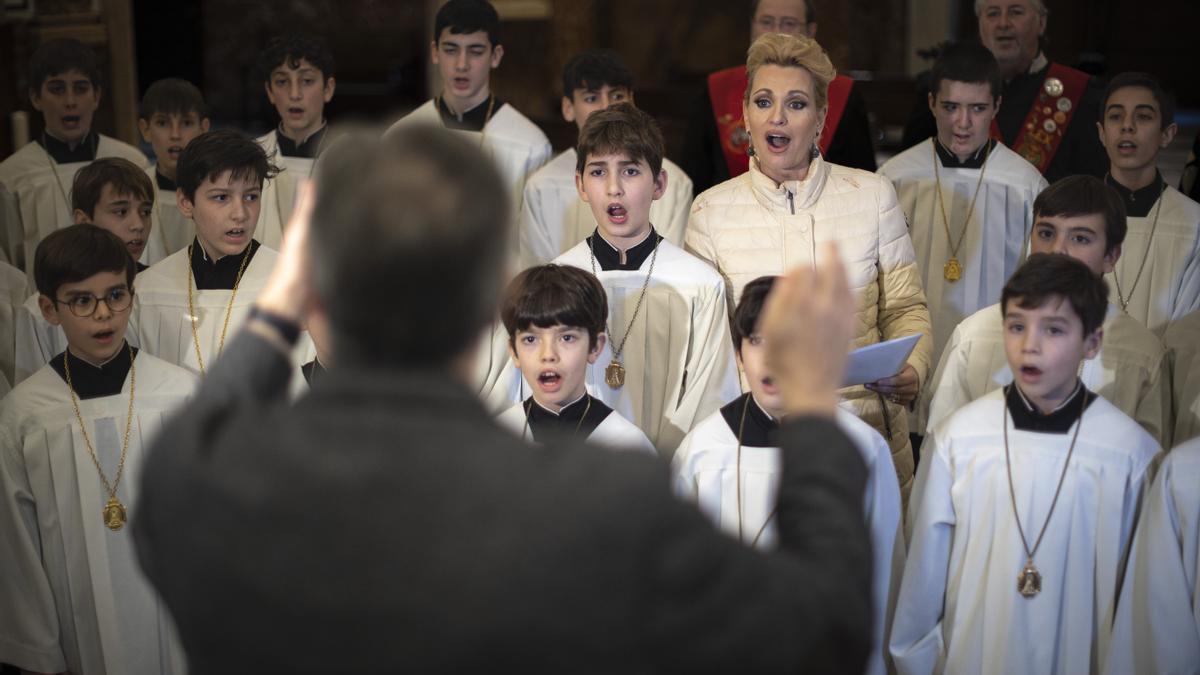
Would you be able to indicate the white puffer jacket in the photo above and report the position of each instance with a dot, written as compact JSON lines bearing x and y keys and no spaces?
{"x":748,"y":227}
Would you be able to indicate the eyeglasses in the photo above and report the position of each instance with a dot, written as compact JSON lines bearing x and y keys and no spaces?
{"x":85,"y":304}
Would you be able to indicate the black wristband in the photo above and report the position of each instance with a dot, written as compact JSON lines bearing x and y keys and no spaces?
{"x":288,"y":330}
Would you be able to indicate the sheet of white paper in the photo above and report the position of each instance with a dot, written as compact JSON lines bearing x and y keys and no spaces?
{"x":880,"y":360}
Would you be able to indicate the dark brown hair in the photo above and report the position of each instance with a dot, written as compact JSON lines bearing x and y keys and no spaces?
{"x":745,"y":315}
{"x":1053,"y":275}
{"x":555,"y":295}
{"x":78,"y":252}
{"x":210,"y":154}
{"x":1084,"y":196}
{"x":125,"y":177}
{"x":621,"y":128}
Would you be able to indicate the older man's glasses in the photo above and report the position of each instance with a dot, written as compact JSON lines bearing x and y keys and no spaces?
{"x":84,"y":305}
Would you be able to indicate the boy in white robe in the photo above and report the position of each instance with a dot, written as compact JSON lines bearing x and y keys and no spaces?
{"x":172,"y":112}
{"x":72,"y":438}
{"x":1157,"y":279}
{"x":1157,"y":629}
{"x":553,"y":218}
{"x":14,"y":288}
{"x":297,"y":72}
{"x":968,"y":198}
{"x":189,"y":302}
{"x":466,"y":48}
{"x":1182,"y":339}
{"x":729,"y":465}
{"x":555,"y":319}
{"x":1024,"y":505}
{"x":1077,"y":216}
{"x":668,"y":362}
{"x":64,"y":86}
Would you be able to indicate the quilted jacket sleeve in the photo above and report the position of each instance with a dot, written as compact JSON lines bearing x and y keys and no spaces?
{"x":902,"y":307}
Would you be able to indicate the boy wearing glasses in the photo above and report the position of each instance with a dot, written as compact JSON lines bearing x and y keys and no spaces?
{"x":72,"y":597}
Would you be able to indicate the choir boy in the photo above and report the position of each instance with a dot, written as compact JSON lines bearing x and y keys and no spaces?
{"x":466,"y":48}
{"x":1157,"y":280}
{"x":72,"y":596}
{"x":1024,"y":505}
{"x":172,"y":112}
{"x":555,"y":317}
{"x":668,"y":361}
{"x":297,"y":73}
{"x":1080,"y":217}
{"x":729,"y":464}
{"x":64,"y":86}
{"x":553,"y":217}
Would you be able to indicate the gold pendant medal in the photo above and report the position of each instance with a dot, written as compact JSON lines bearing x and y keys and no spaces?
{"x":614,"y":374}
{"x":953,"y":270}
{"x":1029,"y":581}
{"x":114,"y":514}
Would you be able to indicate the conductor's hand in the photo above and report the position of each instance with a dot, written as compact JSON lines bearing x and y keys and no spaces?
{"x":808,"y":321}
{"x":287,"y":292}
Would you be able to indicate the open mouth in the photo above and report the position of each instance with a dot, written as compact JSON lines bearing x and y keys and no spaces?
{"x":71,"y":120}
{"x":174,"y":151}
{"x":461,"y":82}
{"x":104,"y":335}
{"x":1031,"y":371}
{"x":295,"y":111}
{"x":135,"y":246}
{"x":617,"y":213}
{"x":768,"y":385}
{"x":778,"y":141}
{"x":1127,"y":147}
{"x":549,"y":380}
{"x":236,"y":234}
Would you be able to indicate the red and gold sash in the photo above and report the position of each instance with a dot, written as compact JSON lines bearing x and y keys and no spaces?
{"x":1051,"y":113}
{"x":727,"y":91}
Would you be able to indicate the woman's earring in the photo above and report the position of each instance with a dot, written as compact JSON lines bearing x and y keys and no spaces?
{"x":750,"y":150}
{"x":816,"y":151}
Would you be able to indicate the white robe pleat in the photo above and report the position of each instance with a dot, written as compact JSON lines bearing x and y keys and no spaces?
{"x":959,"y":609}
{"x":1131,"y":371}
{"x":554,"y":218}
{"x":172,"y":231}
{"x":614,"y":433}
{"x":72,"y":595}
{"x":704,"y":470}
{"x":36,"y":340}
{"x":1182,"y":339}
{"x":14,"y":288}
{"x":279,"y":193}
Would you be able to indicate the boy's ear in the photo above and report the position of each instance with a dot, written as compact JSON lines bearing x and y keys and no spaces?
{"x":330,"y":86}
{"x":497,"y":55}
{"x":204,"y":125}
{"x":1168,"y":135}
{"x":433,"y":51}
{"x":81,"y":218}
{"x":35,"y":98}
{"x":1110,"y":259}
{"x":49,"y":310}
{"x":932,"y":108}
{"x":579,"y":187}
{"x":512,"y":354}
{"x":1091,"y":344}
{"x":594,"y":352}
{"x":185,"y":205}
{"x":144,"y":128}
{"x":660,"y":184}
{"x":568,"y":109}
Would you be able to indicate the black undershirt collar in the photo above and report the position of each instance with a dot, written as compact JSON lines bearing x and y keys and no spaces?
{"x":473,"y":119}
{"x":975,"y":161}
{"x":96,"y":381}
{"x":760,"y":428}
{"x":163,"y":182}
{"x":544,"y":424}
{"x":307,"y":148}
{"x":84,"y":151}
{"x":222,"y":274}
{"x":140,"y":267}
{"x":608,"y":257}
{"x":1027,"y":418}
{"x":1138,"y":202}
{"x":312,"y":371}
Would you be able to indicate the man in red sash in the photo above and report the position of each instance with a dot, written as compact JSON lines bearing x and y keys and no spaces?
{"x":1049,"y":110}
{"x":717,"y":140}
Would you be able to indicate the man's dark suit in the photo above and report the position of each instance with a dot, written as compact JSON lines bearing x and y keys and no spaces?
{"x":385,"y":523}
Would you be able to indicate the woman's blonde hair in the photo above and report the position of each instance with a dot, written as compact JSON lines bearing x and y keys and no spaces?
{"x":778,"y":49}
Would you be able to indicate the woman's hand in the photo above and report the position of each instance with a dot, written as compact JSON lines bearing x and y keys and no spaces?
{"x":901,"y":388}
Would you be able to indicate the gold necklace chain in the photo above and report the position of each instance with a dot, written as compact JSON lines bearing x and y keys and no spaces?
{"x":438,"y":102}
{"x":1029,"y":581}
{"x":1121,"y":297}
{"x":614,"y":374}
{"x":952,"y":270}
{"x":114,"y":511}
{"x":529,"y":407}
{"x":771,"y":515}
{"x":54,"y":166}
{"x":228,"y":309}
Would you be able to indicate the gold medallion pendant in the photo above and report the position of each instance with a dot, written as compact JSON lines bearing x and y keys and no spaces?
{"x":953,"y":270}
{"x":1029,"y":581}
{"x":114,"y":514}
{"x":614,"y":374}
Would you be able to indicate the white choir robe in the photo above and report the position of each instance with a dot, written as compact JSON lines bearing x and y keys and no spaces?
{"x":33,"y":203}
{"x":704,"y":470}
{"x":160,"y":323}
{"x":36,"y":340}
{"x":72,"y":595}
{"x":996,"y":238}
{"x":1182,"y":340}
{"x":1157,"y":629}
{"x":515,"y":144}
{"x":5,"y":387}
{"x":959,"y":609}
{"x":279,"y":193}
{"x":1131,"y":371}
{"x":171,"y":231}
{"x":553,"y":218}
{"x":614,"y":433}
{"x":1170,"y":284}
{"x":14,"y":287}
{"x":678,"y":358}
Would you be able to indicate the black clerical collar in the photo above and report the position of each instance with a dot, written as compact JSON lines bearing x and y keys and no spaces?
{"x":473,"y":119}
{"x":544,"y":424}
{"x":96,"y":381}
{"x":60,"y":152}
{"x":220,"y":275}
{"x":140,"y":267}
{"x":308,"y":148}
{"x":609,"y":256}
{"x":312,"y":371}
{"x":1027,"y":418}
{"x":1138,"y":202}
{"x":975,"y":161}
{"x":163,"y":182}
{"x":759,"y":430}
